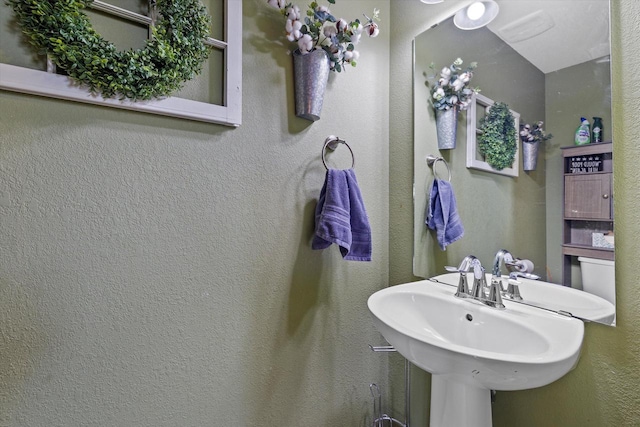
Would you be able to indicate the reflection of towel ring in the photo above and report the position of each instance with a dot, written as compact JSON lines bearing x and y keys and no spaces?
{"x":331,"y":143}
{"x":432,"y":160}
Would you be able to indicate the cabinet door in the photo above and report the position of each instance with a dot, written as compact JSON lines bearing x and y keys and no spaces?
{"x":587,"y":196}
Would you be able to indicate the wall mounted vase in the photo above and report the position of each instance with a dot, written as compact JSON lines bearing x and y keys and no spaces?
{"x":530,"y":155}
{"x":446,"y":126}
{"x":310,"y":74}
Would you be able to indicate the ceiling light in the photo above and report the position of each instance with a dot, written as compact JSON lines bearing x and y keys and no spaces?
{"x":475,"y":11}
{"x":431,"y":1}
{"x":476,"y":15}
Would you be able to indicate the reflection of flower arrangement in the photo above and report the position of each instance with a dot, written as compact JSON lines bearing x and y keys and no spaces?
{"x":533,"y":135}
{"x":452,"y":88}
{"x":321,"y":30}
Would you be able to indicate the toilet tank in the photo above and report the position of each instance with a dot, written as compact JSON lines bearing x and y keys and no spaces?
{"x":598,"y":277}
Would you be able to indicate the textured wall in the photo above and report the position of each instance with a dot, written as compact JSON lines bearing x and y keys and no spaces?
{"x":603,"y":389}
{"x":158,"y":272}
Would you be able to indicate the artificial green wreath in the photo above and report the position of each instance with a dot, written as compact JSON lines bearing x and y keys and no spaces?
{"x":498,"y":139}
{"x":174,"y":55}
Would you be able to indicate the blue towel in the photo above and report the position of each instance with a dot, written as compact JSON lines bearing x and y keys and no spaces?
{"x":442,"y":213}
{"x":341,"y":217}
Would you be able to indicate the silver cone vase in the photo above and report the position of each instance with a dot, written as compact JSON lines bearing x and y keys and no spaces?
{"x":310,"y":74}
{"x":530,"y":155}
{"x":447,"y":126}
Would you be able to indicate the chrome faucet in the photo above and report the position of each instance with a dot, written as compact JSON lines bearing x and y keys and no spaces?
{"x":480,"y":287}
{"x":502,"y":256}
{"x":465,"y":266}
{"x":512,"y":265}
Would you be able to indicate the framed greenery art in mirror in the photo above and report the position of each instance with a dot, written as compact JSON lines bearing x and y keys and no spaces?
{"x":479,"y":110}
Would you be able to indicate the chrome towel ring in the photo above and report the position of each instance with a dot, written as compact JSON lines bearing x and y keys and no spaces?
{"x":331,"y":143}
{"x":432,"y":160}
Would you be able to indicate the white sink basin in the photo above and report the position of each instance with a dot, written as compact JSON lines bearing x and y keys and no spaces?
{"x":471,"y":348}
{"x":555,"y":297}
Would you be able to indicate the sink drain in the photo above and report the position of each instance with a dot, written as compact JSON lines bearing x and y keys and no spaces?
{"x":469,"y":317}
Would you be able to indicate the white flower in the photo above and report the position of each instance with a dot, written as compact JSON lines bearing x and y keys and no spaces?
{"x":330,"y":31}
{"x":438,"y":94}
{"x":341,"y":25}
{"x":293,"y":13}
{"x":322,"y":9}
{"x":293,"y":30}
{"x":446,"y":73}
{"x":372,"y":29}
{"x":453,"y":100}
{"x":465,"y":77}
{"x":457,"y":62}
{"x":443,"y":81}
{"x":278,"y":4}
{"x":305,"y":43}
{"x":457,"y":85}
{"x":351,"y":55}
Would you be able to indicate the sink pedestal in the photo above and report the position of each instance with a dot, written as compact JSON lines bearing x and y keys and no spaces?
{"x":457,"y":404}
{"x":471,"y":349}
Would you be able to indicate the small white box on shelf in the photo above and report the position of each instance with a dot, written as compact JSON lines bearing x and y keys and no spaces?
{"x":599,"y":240}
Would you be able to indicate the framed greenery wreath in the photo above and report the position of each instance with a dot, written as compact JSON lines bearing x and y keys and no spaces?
{"x":498,"y":139}
{"x":173,"y":55}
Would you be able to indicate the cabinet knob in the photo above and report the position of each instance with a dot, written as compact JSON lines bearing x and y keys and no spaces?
{"x":605,"y":196}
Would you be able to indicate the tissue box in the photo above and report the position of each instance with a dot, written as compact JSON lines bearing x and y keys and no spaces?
{"x":599,"y":240}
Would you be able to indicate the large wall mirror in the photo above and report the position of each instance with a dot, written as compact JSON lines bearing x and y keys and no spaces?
{"x":549,"y":61}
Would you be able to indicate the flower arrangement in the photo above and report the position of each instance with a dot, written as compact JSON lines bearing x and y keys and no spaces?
{"x":319,"y":29}
{"x":452,"y":89}
{"x":534,"y":135}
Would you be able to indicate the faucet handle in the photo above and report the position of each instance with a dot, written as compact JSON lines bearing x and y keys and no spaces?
{"x":479,"y":282}
{"x":465,"y":266}
{"x":495,"y":298}
{"x":515,"y":274}
{"x":513,"y":290}
{"x":463,"y":286}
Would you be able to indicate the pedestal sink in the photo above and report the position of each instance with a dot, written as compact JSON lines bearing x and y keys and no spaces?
{"x":471,"y":349}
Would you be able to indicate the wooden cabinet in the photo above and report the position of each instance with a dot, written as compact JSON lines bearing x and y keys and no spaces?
{"x":587,"y":196}
{"x":588,"y":202}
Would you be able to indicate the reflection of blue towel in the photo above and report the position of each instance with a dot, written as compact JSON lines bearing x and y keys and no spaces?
{"x":442,"y":213}
{"x":341,"y":217}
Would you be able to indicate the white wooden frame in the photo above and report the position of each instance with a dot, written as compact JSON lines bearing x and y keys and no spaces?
{"x":44,"y":83}
{"x":472,"y":131}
